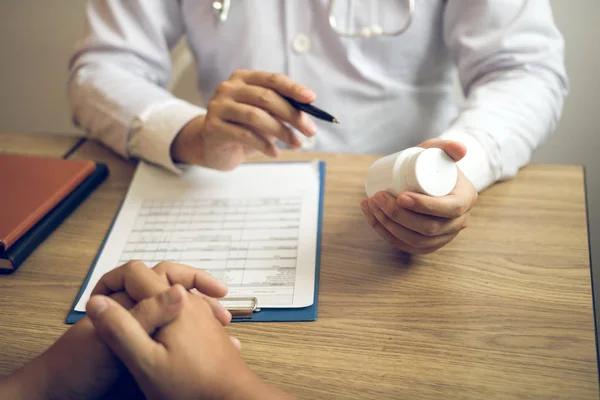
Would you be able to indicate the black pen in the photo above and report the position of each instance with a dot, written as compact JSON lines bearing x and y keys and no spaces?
{"x":312,"y":110}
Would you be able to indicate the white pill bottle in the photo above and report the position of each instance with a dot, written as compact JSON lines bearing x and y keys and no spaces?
{"x":428,"y":171}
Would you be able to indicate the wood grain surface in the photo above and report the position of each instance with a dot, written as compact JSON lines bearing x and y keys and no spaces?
{"x":36,"y":144}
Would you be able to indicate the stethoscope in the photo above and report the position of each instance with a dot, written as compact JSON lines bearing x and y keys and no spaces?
{"x":221,"y":10}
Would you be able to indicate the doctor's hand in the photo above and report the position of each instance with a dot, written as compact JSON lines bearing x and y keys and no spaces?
{"x":189,"y":357}
{"x":417,"y":223}
{"x":246,"y":115}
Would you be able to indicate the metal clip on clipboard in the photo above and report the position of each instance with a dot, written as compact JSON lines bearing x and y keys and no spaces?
{"x":240,"y":307}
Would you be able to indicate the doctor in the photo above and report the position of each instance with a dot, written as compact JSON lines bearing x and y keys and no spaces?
{"x":384,"y":68}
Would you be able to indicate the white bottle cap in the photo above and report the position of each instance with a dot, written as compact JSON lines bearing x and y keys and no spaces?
{"x":431,"y":172}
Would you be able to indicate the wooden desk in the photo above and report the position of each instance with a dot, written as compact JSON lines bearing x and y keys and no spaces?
{"x":504,"y":311}
{"x":33,"y":295}
{"x":39,"y":144}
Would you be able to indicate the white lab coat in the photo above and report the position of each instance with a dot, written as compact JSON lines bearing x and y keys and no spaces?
{"x":389,"y":92}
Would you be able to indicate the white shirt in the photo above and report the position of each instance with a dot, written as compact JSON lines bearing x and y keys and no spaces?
{"x":390,"y":93}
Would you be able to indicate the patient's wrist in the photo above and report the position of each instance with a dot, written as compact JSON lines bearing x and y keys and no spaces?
{"x":28,"y":382}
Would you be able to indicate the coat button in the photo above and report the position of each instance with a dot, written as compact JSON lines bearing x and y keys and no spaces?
{"x":301,"y":43}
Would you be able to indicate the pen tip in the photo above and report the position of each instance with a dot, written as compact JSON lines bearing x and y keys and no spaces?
{"x":336,"y":121}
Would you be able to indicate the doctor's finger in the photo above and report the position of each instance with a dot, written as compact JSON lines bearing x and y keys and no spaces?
{"x":273,"y":103}
{"x":279,"y":83}
{"x":427,"y":225}
{"x":415,"y":240}
{"x":258,"y":120}
{"x":392,"y":240}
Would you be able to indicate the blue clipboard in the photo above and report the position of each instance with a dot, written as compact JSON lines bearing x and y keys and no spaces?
{"x":265,"y":314}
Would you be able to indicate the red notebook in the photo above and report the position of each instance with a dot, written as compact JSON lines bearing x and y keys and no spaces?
{"x":31,"y":186}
